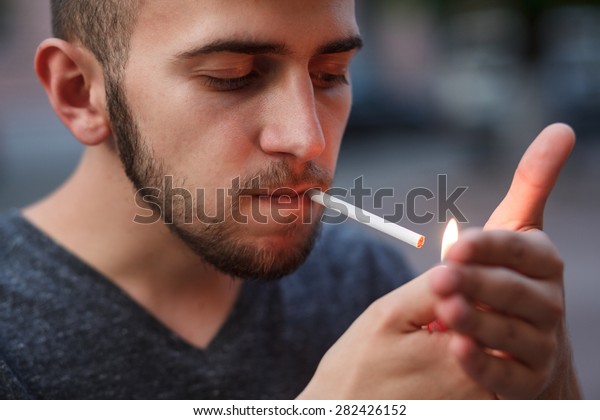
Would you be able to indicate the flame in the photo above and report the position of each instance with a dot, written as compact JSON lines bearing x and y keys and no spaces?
{"x":450,"y":237}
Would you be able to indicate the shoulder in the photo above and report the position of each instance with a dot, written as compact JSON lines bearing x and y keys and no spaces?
{"x":13,"y":244}
{"x":10,"y":232}
{"x":19,"y":241}
{"x":26,"y":259}
{"x":12,"y":240}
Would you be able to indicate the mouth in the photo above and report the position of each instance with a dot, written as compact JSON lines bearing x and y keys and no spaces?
{"x":281,"y":193}
{"x":281,"y":207}
{"x":282,"y":201}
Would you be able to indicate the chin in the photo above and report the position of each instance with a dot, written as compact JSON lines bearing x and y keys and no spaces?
{"x":274,"y":236}
{"x":260,"y":252}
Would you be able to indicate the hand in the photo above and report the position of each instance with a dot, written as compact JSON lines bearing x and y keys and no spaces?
{"x":503,"y":300}
{"x":502,"y":292}
{"x":523,"y":206}
{"x":385,"y":354}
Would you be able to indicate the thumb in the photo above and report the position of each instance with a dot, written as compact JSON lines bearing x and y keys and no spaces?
{"x":523,"y":207}
{"x":413,"y":304}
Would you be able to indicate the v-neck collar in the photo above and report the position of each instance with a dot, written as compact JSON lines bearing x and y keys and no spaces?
{"x":38,"y":241}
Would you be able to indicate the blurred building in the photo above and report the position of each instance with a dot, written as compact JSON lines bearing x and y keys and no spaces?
{"x":477,"y":67}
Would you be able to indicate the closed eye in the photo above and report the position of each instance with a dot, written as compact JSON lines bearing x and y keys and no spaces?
{"x":229,"y":84}
{"x":319,"y":80}
{"x":327,"y":80}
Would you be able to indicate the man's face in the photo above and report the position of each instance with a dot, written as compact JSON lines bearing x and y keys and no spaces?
{"x":235,"y":100}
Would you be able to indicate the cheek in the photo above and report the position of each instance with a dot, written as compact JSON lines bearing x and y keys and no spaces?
{"x":198,"y":141}
{"x":210,"y":138}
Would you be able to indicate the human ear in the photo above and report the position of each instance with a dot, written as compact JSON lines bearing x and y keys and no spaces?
{"x":74,"y":82}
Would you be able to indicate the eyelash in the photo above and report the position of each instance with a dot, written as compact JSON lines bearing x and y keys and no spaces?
{"x":229,"y":85}
{"x":329,"y":80}
{"x":321,"y":80}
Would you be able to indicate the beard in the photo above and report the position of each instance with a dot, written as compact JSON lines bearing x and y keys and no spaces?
{"x":224,"y":244}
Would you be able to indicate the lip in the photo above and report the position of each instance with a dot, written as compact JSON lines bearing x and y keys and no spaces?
{"x":291,"y":192}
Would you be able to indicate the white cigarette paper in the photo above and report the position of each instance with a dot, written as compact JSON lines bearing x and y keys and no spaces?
{"x":375,"y":222}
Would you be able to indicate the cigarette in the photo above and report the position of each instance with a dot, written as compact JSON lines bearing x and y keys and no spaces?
{"x":368,"y":219}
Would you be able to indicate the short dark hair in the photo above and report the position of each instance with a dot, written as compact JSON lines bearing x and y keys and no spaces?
{"x":102,"y":26}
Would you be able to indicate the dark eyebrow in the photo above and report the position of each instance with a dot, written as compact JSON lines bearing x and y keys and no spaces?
{"x":342,"y":45}
{"x":261,"y":48}
{"x":237,"y":47}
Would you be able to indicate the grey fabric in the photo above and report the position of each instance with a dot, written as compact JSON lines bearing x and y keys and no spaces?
{"x":67,"y":332}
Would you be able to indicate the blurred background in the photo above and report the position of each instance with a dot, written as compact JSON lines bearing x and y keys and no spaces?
{"x":442,"y":87}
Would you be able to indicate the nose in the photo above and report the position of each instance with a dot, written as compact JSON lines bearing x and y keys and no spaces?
{"x":292,"y":126}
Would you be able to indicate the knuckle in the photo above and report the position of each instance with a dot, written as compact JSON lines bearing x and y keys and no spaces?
{"x":558,"y":263}
{"x":554,"y":260}
{"x":556,"y":309}
{"x":517,"y":250}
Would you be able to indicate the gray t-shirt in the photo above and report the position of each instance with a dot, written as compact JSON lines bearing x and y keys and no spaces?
{"x":67,"y":332}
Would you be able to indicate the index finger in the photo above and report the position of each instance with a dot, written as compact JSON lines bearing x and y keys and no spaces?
{"x":531,"y":254}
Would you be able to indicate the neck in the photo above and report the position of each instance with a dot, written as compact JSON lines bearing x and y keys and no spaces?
{"x":92,"y":214}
